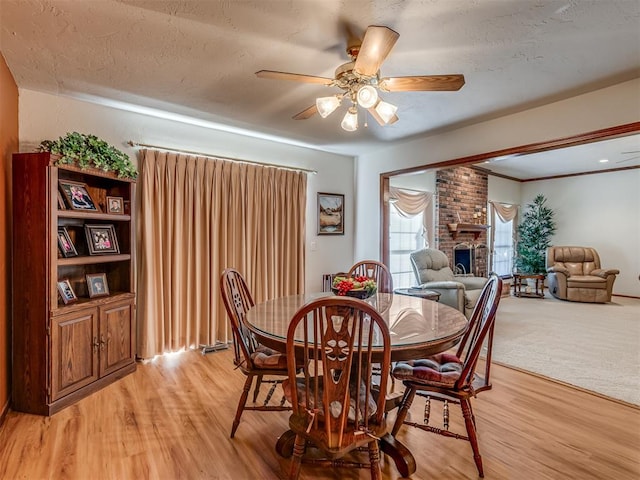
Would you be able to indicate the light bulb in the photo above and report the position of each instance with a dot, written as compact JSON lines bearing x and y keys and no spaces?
{"x":350,"y":120}
{"x":386,"y":111}
{"x":326,"y":105}
{"x":367,"y":96}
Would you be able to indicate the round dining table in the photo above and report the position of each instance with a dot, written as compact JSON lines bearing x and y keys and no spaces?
{"x":418,"y":328}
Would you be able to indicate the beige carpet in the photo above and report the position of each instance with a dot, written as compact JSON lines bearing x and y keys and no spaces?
{"x":592,"y":346}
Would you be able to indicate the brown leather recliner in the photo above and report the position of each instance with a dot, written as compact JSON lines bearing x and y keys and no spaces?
{"x":574,"y":274}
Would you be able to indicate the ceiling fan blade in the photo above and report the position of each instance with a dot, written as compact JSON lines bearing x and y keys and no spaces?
{"x":442,"y":83}
{"x":376,"y":45}
{"x":294,"y":77}
{"x":306,"y":113}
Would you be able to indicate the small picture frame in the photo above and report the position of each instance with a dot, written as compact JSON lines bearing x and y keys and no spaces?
{"x":77,"y":196}
{"x":66,"y":246}
{"x":101,"y":239}
{"x":61,"y":204}
{"x":97,"y":285}
{"x":330,"y":214}
{"x":115,"y":205}
{"x":66,"y":292}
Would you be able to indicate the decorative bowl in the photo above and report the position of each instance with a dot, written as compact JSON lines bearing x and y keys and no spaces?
{"x":360,"y":293}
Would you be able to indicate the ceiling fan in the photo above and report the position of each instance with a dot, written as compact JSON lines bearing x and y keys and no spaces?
{"x":360,"y":81}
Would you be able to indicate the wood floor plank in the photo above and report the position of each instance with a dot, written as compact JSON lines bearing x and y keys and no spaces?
{"x":171,"y":420}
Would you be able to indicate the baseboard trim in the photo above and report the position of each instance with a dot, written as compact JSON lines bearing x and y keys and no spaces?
{"x":565,"y":384}
{"x":625,"y":296}
{"x":4,"y":411}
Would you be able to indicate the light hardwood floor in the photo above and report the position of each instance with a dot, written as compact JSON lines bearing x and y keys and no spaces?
{"x":171,"y":420}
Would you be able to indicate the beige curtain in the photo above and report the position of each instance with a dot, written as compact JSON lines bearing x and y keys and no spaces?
{"x":411,"y":203}
{"x":505,"y":212}
{"x":199,"y":216}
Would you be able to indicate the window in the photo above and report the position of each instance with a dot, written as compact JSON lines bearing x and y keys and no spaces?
{"x":406,"y":235}
{"x":502,"y":247}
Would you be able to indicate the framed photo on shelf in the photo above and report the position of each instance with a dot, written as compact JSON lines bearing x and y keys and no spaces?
{"x":61,"y":204}
{"x":330,"y":214}
{"x":97,"y":284}
{"x":66,"y":246}
{"x":115,"y":205}
{"x":77,"y":196}
{"x":101,"y":239}
{"x":66,"y":292}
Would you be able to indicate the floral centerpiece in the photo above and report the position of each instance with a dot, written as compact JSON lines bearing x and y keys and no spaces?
{"x":359,"y":286}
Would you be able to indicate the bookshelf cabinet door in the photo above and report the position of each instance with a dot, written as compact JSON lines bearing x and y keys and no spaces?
{"x":74,"y":351}
{"x":116,"y":336}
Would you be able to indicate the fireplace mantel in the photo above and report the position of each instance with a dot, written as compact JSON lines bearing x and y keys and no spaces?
{"x":476,"y":229}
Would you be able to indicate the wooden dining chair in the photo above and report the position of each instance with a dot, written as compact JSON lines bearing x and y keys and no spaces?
{"x":452,"y":378}
{"x":376,"y":270}
{"x":335,"y":407}
{"x":254,"y":360}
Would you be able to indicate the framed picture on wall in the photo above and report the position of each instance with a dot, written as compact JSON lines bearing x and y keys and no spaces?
{"x":330,"y":214}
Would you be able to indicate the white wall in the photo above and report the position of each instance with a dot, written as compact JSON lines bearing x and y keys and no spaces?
{"x":423,"y":182}
{"x":603,"y":108}
{"x":503,"y":190}
{"x":47,"y":117}
{"x":600,"y":211}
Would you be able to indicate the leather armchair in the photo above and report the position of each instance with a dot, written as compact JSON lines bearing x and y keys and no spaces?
{"x":432,"y":271}
{"x":574,"y":274}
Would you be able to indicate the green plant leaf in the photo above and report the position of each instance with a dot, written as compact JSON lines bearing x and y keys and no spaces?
{"x":534,"y":236}
{"x":90,"y":151}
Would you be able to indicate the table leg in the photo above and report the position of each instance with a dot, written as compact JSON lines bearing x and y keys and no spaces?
{"x":402,"y":457}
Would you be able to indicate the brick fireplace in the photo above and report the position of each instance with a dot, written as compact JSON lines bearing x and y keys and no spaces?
{"x":461,"y":192}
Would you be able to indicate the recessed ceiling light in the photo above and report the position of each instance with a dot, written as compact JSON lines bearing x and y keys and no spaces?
{"x":604,"y":160}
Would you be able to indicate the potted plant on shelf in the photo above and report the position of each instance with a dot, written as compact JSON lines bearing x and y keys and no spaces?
{"x":90,"y":151}
{"x":534,"y":237}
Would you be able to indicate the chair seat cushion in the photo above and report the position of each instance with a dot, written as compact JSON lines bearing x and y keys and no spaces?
{"x":442,"y":369}
{"x":336,"y":407}
{"x":586,"y":281}
{"x":266,"y":358}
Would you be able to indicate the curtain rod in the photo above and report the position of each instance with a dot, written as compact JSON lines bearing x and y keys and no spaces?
{"x":131,"y":143}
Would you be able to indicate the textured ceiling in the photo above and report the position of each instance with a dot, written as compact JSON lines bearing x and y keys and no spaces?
{"x":199,"y":57}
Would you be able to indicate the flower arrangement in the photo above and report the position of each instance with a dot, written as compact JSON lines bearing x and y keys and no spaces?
{"x":359,"y":286}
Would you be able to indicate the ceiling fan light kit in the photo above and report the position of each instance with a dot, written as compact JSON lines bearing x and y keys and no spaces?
{"x":367,"y":96}
{"x":386,"y":111}
{"x":360,"y":80}
{"x":350,"y":120}
{"x":327,"y":105}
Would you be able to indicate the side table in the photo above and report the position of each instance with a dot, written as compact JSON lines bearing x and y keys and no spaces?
{"x":520,"y":280}
{"x":418,"y":292}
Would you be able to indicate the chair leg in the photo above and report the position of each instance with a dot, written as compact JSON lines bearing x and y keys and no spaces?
{"x":256,"y":390}
{"x":241,"y":403}
{"x":374,"y":459}
{"x":469,"y":422}
{"x":296,"y":461}
{"x":405,"y":404}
